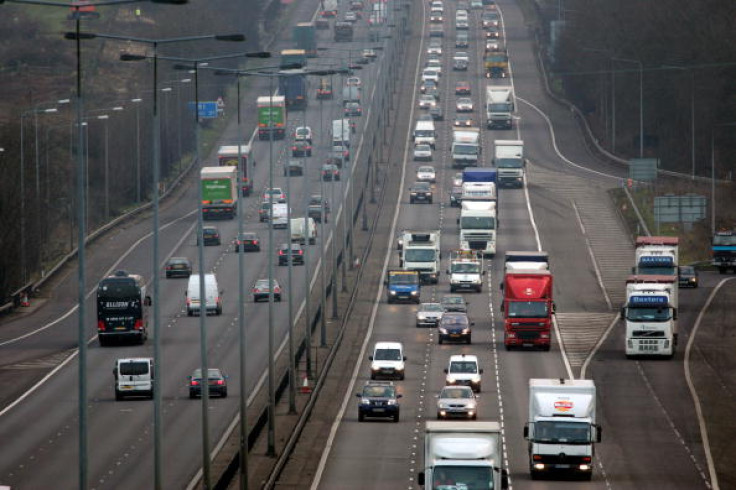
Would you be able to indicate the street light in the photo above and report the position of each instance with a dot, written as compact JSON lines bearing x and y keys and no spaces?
{"x":641,"y":100}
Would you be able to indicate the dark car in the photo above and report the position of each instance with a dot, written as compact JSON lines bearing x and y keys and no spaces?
{"x":462,"y":88}
{"x":297,"y":254}
{"x":264,"y":211}
{"x":178,"y":267}
{"x":301,"y":149}
{"x":688,"y":277}
{"x":436,"y":113}
{"x":324,"y":90}
{"x":250,"y":242}
{"x":330,"y":172}
{"x":353,"y":109}
{"x":211,"y":236}
{"x":454,"y":326}
{"x":454,"y":303}
{"x":314,"y":208}
{"x":217,"y":382}
{"x":455,"y":196}
{"x":420,"y":192}
{"x":294,"y":167}
{"x":378,"y":399}
{"x":261,"y":290}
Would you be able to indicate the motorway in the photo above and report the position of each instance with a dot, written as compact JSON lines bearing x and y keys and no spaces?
{"x":120,"y":433}
{"x":650,"y":430}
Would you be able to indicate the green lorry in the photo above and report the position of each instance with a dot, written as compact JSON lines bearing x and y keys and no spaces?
{"x":271,"y":117}
{"x":219,"y":192}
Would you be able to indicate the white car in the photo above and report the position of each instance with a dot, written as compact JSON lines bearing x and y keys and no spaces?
{"x":427,"y":101}
{"x":423,"y":152}
{"x":457,"y":401}
{"x":276,"y":194}
{"x":494,"y":45}
{"x":429,"y":314}
{"x":369,"y":53}
{"x":303,"y":133}
{"x":435,"y":49}
{"x":464,"y":370}
{"x":437,"y":6}
{"x":457,"y":180}
{"x":426,"y":174}
{"x":461,"y":55}
{"x":387,"y":360}
{"x":436,"y":17}
{"x":462,"y":24}
{"x":464,"y":104}
{"x":353,"y":82}
{"x":461,"y":14}
{"x":430,"y":74}
{"x":435,"y":64}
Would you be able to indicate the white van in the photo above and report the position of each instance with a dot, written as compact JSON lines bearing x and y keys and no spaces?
{"x":213,"y":295}
{"x":280,"y":213}
{"x":298,"y":232}
{"x":341,"y":132}
{"x":387,"y":360}
{"x":464,"y":370}
{"x":424,"y":133}
{"x":133,"y":377}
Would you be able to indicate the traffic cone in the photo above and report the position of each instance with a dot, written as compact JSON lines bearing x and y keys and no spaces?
{"x":305,"y":388}
{"x":24,"y":302}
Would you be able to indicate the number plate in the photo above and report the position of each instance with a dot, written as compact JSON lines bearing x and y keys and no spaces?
{"x":562,"y":466}
{"x":379,"y":410}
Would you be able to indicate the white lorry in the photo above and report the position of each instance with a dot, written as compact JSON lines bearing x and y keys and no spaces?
{"x":650,"y":315}
{"x":478,"y":226}
{"x":420,"y":251}
{"x":508,"y":158}
{"x":656,"y":255}
{"x":562,"y":429}
{"x":463,"y":455}
{"x":465,"y":147}
{"x":466,"y":271}
{"x":499,"y":106}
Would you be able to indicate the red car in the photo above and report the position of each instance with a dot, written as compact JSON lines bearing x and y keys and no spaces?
{"x":462,"y":88}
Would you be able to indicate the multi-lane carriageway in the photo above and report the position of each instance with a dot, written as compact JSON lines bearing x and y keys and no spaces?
{"x":651,"y":437}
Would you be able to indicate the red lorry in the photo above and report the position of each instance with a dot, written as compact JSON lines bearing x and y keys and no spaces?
{"x":527,"y":308}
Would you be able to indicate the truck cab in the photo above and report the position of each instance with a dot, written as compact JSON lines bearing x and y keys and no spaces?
{"x":478,"y":223}
{"x":403,"y":285}
{"x":650,"y":315}
{"x":656,"y":255}
{"x":421,"y":252}
{"x":527,"y":308}
{"x":723,"y":248}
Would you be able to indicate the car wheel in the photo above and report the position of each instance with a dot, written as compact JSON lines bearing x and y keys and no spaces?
{"x":373,"y":376}
{"x":468,"y":341}
{"x":439,"y":339}
{"x":118,"y":395}
{"x":396,"y":418}
{"x":278,"y":298}
{"x":224,"y":393}
{"x":218,"y":312}
{"x":411,"y":201}
{"x":190,"y":312}
{"x":402,"y":376}
{"x":192,"y":395}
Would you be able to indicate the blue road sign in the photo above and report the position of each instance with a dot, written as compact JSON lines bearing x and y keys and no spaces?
{"x":207,"y":110}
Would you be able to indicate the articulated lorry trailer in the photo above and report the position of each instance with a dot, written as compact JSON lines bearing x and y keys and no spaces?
{"x":219,"y":192}
{"x":656,"y":255}
{"x":271,"y":117}
{"x":562,"y":429}
{"x":650,"y":315}
{"x":303,"y":36}
{"x":227,"y":156}
{"x":463,"y":455}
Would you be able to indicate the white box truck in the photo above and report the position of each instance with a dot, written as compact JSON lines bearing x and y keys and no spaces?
{"x":499,"y":106}
{"x":465,"y":147}
{"x":463,"y":455}
{"x":508,"y":158}
{"x":424,"y":133}
{"x":656,"y":255}
{"x":478,"y":226}
{"x":303,"y":230}
{"x":341,"y":132}
{"x":420,"y":252}
{"x":650,"y":315}
{"x":562,"y":429}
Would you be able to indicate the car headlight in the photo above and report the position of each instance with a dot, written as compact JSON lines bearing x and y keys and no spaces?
{"x":451,"y":380}
{"x":442,"y":405}
{"x":365,"y":401}
{"x":443,"y":330}
{"x":466,"y":330}
{"x":391,"y":402}
{"x":375,"y":368}
{"x":414,"y":293}
{"x":475,"y":379}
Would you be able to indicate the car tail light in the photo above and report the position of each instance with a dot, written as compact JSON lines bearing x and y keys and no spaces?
{"x":537,"y":457}
{"x":255,"y":242}
{"x":277,"y":290}
{"x":195,"y":382}
{"x":587,"y":459}
{"x":100,"y":326}
{"x":220,"y":382}
{"x":255,"y":290}
{"x":281,"y":252}
{"x":168,"y":267}
{"x":138,"y":325}
{"x":301,"y":252}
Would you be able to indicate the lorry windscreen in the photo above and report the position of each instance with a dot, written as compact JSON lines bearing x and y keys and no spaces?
{"x":528,"y":309}
{"x":424,"y":133}
{"x":562,"y":432}
{"x":465,"y":477}
{"x":500,"y":107}
{"x":648,"y":314}
{"x":724,"y":240}
{"x":460,"y":149}
{"x":509,"y":162}
{"x":477,"y":223}
{"x":421,"y":255}
{"x":463,"y":268}
{"x":656,"y":270}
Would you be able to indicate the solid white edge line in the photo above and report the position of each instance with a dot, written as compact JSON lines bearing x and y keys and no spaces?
{"x":693,"y":392}
{"x":351,"y":386}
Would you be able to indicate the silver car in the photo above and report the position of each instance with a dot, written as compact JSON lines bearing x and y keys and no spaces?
{"x":457,"y":402}
{"x":429,"y":314}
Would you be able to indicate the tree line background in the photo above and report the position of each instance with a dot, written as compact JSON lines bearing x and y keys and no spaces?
{"x":38,"y":68}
